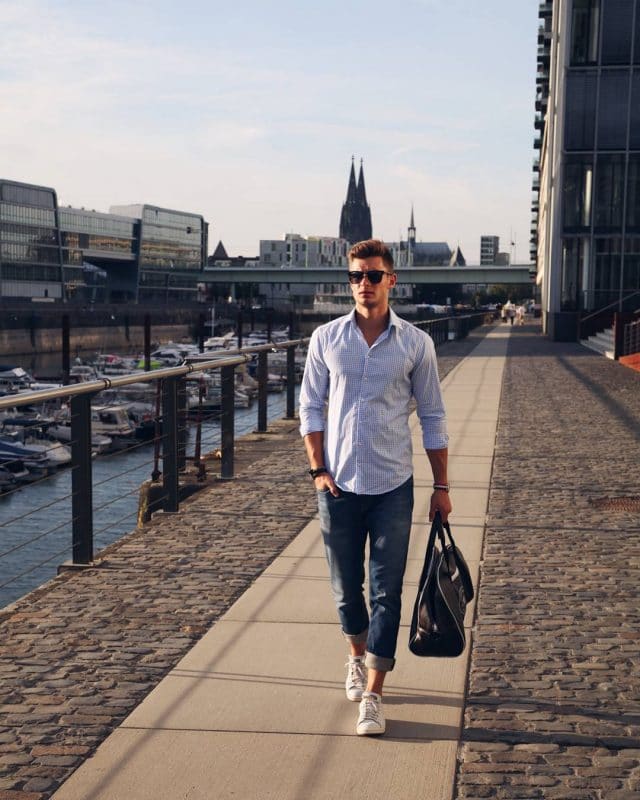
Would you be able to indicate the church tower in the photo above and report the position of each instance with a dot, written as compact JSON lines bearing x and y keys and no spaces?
{"x":411,"y":239}
{"x":355,"y":219}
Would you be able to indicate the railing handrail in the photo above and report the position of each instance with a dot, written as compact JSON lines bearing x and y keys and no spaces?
{"x":91,"y":387}
{"x":610,"y":306}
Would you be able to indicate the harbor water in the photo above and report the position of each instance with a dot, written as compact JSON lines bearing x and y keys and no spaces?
{"x":35,"y":520}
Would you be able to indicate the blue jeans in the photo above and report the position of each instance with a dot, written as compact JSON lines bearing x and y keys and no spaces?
{"x":346,"y":521}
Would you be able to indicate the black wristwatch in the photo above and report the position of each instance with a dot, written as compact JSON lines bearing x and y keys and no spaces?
{"x":317,"y":471}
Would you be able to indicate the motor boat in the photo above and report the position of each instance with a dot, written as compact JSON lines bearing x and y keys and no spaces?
{"x":113,"y":421}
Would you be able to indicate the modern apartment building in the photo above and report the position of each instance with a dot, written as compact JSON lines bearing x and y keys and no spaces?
{"x":586,"y":186}
{"x":132,"y":254}
{"x":489,"y":248}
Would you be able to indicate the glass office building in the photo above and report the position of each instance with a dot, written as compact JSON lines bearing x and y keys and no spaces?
{"x":138,"y":253}
{"x":586,"y":203}
{"x":30,"y":255}
{"x":99,"y":256}
{"x":172,"y":252}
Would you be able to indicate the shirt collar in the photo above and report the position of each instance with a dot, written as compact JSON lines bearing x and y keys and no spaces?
{"x":394,"y":319}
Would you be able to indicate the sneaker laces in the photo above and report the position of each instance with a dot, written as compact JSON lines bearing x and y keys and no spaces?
{"x":369,"y":711}
{"x":356,"y":674}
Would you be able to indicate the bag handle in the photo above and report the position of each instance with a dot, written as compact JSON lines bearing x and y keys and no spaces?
{"x":438,"y":528}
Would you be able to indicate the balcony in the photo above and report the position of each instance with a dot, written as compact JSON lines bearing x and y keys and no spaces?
{"x":545,"y":10}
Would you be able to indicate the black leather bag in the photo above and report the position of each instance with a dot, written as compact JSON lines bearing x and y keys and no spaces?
{"x":437,"y":625}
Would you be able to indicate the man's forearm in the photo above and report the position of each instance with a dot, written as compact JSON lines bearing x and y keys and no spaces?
{"x":439,"y":460}
{"x":314,"y":445}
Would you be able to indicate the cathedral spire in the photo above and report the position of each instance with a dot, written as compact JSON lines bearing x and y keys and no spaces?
{"x":355,"y":219}
{"x":361,"y":191}
{"x":352,"y":189}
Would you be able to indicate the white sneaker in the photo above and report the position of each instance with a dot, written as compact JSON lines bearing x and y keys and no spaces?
{"x":356,"y":678}
{"x":371,"y":719}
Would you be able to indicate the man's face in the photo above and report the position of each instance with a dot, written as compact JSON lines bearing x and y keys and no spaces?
{"x":366,"y":293}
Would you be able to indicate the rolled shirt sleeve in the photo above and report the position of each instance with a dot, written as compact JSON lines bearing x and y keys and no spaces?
{"x":314,"y":389}
{"x":428,"y":395}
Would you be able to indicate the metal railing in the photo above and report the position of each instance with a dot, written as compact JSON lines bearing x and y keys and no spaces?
{"x":453,"y":328}
{"x":170,"y":434}
{"x":602,"y":318}
{"x":631,"y":344}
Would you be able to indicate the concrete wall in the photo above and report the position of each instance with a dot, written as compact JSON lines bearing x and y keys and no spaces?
{"x":86,"y":341}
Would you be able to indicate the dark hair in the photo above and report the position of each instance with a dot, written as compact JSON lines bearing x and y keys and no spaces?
{"x":370,"y":248}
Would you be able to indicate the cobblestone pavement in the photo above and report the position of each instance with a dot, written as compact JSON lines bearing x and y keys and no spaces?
{"x":78,"y":655}
{"x":553,"y":706}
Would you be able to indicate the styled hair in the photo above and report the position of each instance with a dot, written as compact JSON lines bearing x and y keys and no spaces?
{"x":370,"y":248}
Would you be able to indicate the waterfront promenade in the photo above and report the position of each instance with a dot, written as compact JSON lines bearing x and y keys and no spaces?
{"x":547,"y":706}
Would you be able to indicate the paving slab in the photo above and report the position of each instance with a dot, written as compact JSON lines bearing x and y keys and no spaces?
{"x":251,"y":766}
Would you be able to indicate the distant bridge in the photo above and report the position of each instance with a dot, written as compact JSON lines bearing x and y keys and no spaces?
{"x":513,"y":274}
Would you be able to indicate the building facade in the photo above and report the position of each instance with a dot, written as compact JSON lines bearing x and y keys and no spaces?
{"x":586,"y":185}
{"x":412,"y":253}
{"x":132,"y":254}
{"x":489,"y":249}
{"x":297,"y":251}
{"x":30,"y":253}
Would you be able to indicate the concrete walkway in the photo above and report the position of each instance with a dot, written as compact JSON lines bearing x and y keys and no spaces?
{"x":257,"y":708}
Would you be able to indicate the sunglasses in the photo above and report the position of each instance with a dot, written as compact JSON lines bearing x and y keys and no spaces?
{"x":373,"y":276}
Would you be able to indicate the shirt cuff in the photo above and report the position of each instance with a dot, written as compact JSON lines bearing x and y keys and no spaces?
{"x":436,"y":439}
{"x":311,"y":424}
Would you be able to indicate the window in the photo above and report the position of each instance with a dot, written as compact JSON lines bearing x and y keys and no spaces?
{"x":631,"y":281}
{"x":633,"y":194}
{"x":634,"y":122}
{"x":609,"y":187}
{"x":27,"y":195}
{"x":613,"y":110}
{"x":574,"y":270}
{"x":617,"y":21}
{"x":578,"y":179}
{"x":580,"y":111}
{"x":584,"y":32}
{"x":607,"y":270}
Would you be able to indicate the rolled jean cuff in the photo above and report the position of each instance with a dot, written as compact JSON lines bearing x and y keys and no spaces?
{"x":356,"y":638}
{"x":382,"y":664}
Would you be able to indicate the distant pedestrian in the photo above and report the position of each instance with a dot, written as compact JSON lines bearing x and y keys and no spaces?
{"x":520,"y":311}
{"x":510,"y":310}
{"x":362,"y":373}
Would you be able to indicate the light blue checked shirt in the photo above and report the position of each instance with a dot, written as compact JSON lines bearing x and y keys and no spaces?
{"x":361,"y":397}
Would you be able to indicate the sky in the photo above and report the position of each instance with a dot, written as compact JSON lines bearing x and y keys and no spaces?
{"x":249,"y":112}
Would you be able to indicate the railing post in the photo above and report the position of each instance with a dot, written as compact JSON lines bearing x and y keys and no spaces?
{"x":81,"y":480}
{"x":170,"y":444}
{"x":66,"y":349}
{"x":291,"y":381}
{"x":239,"y":328}
{"x":263,"y":377}
{"x":182,"y":424}
{"x":227,"y":421}
{"x":147,"y":342}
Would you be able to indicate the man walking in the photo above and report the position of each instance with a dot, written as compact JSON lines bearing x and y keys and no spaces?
{"x":363,"y":372}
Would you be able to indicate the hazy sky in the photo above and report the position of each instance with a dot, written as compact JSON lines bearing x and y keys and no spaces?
{"x":248,"y":112}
